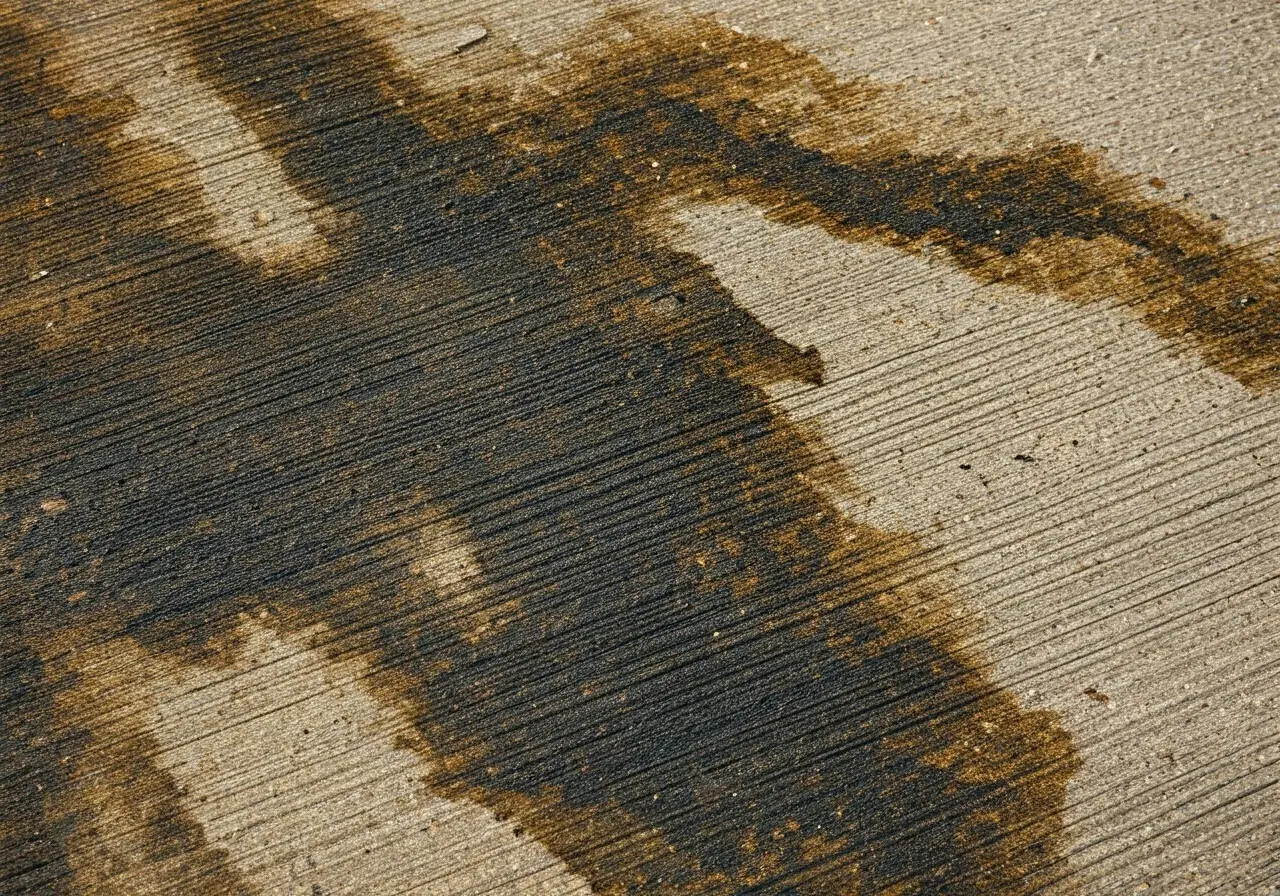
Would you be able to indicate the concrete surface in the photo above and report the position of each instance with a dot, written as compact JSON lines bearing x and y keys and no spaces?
{"x":1104,"y":504}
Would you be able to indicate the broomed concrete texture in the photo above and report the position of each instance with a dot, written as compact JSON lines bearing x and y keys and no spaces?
{"x":1107,"y":507}
{"x":1138,"y":554}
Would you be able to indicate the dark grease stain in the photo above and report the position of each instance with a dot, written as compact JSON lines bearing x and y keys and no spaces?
{"x":685,"y":671}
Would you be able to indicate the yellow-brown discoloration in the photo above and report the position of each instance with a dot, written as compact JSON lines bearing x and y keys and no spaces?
{"x":129,"y":831}
{"x":273,"y":769}
{"x":1052,"y":219}
{"x":170,"y":120}
{"x":516,"y":454}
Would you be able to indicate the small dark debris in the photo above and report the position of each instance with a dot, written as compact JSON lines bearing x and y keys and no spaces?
{"x":966,"y":466}
{"x":1096,"y":695}
{"x":1025,"y":458}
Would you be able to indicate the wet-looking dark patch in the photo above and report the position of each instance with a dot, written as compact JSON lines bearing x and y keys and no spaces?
{"x":684,"y":670}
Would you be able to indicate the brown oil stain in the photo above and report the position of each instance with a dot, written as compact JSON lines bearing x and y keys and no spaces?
{"x":247,"y":202}
{"x":516,"y":454}
{"x":128,"y":833}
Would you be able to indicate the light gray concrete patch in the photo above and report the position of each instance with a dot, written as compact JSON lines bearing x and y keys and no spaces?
{"x":290,"y":764}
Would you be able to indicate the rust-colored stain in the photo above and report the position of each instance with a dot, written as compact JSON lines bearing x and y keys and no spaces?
{"x":664,"y":649}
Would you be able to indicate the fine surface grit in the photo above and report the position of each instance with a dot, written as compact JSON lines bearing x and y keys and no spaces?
{"x":709,"y":448}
